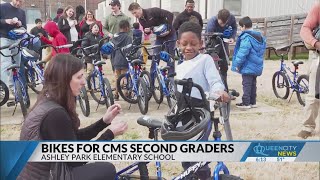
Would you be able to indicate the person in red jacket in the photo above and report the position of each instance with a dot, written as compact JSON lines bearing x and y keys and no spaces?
{"x":58,"y":39}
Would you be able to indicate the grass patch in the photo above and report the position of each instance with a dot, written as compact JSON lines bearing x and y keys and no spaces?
{"x":130,"y":135}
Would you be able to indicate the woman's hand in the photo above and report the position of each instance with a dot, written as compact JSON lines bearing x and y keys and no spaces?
{"x":111,"y":113}
{"x":118,"y":128}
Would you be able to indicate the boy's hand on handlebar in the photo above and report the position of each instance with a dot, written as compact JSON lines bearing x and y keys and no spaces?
{"x":111,"y":113}
{"x":230,"y":41}
{"x":224,"y":96}
{"x":317,"y":45}
{"x":118,"y":128}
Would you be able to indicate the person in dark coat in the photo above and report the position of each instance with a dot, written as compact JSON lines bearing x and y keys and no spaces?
{"x":119,"y":62}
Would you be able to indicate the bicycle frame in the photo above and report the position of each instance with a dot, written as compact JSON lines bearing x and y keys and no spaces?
{"x":98,"y":71}
{"x":16,"y":77}
{"x":156,"y":72}
{"x":293,"y":83}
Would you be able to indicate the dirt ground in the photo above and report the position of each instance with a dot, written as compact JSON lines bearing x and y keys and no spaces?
{"x":274,"y":119}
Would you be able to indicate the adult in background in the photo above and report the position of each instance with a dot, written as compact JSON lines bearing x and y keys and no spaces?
{"x":189,"y":14}
{"x":312,"y":108}
{"x":149,"y":18}
{"x":11,"y":17}
{"x":86,"y":22}
{"x":112,"y":21}
{"x":80,"y":13}
{"x":54,"y":117}
{"x":67,"y":24}
{"x":59,"y":13}
{"x":224,"y":23}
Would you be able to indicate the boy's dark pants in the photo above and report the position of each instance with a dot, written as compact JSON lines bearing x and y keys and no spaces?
{"x":249,"y":84}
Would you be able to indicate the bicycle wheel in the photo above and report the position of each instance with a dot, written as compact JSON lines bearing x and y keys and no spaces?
{"x":4,"y":93}
{"x":172,"y":99}
{"x":143,"y":96}
{"x":280,"y":85}
{"x":33,"y":80}
{"x":94,"y":89}
{"x":108,"y":96}
{"x":21,"y":99}
{"x":125,"y":89}
{"x":225,"y":114}
{"x":157,"y":90}
{"x":147,"y":79}
{"x":84,"y":102}
{"x":303,"y":85}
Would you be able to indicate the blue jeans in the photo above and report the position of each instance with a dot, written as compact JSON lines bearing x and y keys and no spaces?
{"x":249,"y":83}
{"x":6,"y":75}
{"x":171,"y":47}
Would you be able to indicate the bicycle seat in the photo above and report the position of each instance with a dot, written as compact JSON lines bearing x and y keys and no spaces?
{"x":99,"y":63}
{"x":296,"y":63}
{"x":13,"y":66}
{"x":137,"y":62}
{"x":149,"y":122}
{"x":40,"y":62}
{"x":165,"y":68}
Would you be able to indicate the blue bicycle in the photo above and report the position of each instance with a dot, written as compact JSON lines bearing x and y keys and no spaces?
{"x":19,"y":89}
{"x":281,"y":81}
{"x":161,"y":83}
{"x":155,"y":126}
{"x":132,"y":85}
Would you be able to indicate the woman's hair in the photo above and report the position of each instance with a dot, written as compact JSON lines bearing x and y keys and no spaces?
{"x":58,"y":76}
{"x":79,"y":11}
{"x":65,"y":12}
{"x":89,"y":11}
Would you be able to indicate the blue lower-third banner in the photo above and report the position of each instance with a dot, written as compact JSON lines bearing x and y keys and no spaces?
{"x":15,"y":154}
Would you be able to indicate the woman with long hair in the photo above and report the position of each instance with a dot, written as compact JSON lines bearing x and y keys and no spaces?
{"x":54,"y":117}
{"x":67,"y":24}
{"x":89,"y":19}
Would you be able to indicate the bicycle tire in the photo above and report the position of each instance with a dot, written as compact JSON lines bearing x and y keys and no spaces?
{"x":108,"y":96}
{"x":143,"y":171}
{"x":143,"y":101}
{"x":229,"y":177}
{"x":129,"y":97}
{"x":306,"y":89}
{"x":285,"y":84}
{"x":93,"y":79}
{"x":147,"y":78}
{"x":4,"y":92}
{"x":226,"y":115}
{"x":172,"y":98}
{"x":31,"y":79}
{"x":84,"y":102}
{"x":23,"y":105}
{"x":157,"y":98}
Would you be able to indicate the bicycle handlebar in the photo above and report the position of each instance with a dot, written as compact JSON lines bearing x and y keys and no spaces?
{"x":288,"y":47}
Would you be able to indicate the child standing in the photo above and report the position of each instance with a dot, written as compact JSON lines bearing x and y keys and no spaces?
{"x":58,"y":39}
{"x":92,"y":37}
{"x":248,"y":61}
{"x":137,"y":34}
{"x":119,"y":62}
{"x":202,"y":70}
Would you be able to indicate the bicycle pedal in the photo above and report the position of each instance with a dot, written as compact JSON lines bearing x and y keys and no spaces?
{"x":10,"y":104}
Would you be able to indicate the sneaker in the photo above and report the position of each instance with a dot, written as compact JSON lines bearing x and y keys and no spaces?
{"x":243,"y":106}
{"x":253,"y":105}
{"x":304,"y":134}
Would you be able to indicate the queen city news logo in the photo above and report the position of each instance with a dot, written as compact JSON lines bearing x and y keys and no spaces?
{"x":275,"y":150}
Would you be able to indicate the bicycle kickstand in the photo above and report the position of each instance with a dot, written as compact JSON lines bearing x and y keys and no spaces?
{"x":129,"y":106}
{"x":15,"y":107}
{"x":158,"y":106}
{"x":290,"y":96}
{"x":98,"y":104}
